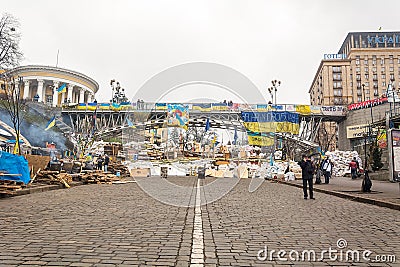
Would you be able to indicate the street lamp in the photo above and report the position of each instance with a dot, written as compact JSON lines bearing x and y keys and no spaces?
{"x":363,"y":91}
{"x":273,"y":89}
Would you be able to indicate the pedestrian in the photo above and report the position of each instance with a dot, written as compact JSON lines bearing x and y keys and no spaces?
{"x":100,"y":163}
{"x":106,"y":162}
{"x":307,"y":172}
{"x":353,"y":168}
{"x":327,"y":169}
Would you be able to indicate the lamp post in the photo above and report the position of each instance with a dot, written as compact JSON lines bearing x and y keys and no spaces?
{"x":273,"y":89}
{"x":363,"y":91}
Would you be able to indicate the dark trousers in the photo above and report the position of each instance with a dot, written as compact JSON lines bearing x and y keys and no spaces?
{"x":353,"y":173}
{"x":327,"y":177}
{"x":310,"y":187}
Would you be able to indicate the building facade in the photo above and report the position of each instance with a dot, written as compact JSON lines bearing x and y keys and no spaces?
{"x":364,"y":66}
{"x":361,"y":70}
{"x":43,"y":84}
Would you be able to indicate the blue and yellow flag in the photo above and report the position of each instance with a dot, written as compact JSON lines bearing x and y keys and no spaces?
{"x":51,"y":123}
{"x":62,"y":88}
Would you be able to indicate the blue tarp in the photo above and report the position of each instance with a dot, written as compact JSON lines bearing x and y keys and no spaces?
{"x":14,"y":164}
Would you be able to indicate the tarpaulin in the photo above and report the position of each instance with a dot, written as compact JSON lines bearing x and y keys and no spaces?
{"x":15,"y":165}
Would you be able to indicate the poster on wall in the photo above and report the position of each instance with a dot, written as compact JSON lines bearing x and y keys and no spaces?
{"x":394,"y":154}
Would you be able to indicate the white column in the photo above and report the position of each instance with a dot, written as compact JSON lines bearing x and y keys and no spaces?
{"x":55,"y":93}
{"x":26,"y":89}
{"x":62,"y":97}
{"x":69,"y":93}
{"x":81,"y":95}
{"x":40,"y":91}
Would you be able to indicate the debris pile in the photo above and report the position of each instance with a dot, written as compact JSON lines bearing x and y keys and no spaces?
{"x":98,"y":177}
{"x":119,"y":169}
{"x":341,"y":160}
{"x":52,"y":177}
{"x":9,"y":188}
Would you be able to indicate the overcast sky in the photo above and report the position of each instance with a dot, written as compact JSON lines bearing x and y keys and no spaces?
{"x":131,"y":41}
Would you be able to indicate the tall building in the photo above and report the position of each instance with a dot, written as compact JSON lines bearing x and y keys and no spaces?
{"x":361,"y":70}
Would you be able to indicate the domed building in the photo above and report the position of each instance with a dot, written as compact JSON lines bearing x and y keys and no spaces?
{"x":54,"y":86}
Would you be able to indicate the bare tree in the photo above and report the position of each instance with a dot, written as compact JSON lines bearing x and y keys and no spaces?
{"x":10,"y":54}
{"x":13,"y":105}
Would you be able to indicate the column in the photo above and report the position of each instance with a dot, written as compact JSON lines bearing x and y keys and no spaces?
{"x":40,"y":90}
{"x":81,"y":95}
{"x":26,"y":90}
{"x":69,"y":93}
{"x":62,"y":98}
{"x":55,"y":93}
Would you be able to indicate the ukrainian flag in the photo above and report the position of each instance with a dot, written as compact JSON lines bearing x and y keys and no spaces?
{"x":51,"y":123}
{"x":91,"y":106}
{"x":62,"y":88}
{"x":82,"y":106}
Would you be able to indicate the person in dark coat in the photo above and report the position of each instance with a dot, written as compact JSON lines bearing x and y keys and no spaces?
{"x":99,"y":163}
{"x":106,"y":162}
{"x":307,"y":172}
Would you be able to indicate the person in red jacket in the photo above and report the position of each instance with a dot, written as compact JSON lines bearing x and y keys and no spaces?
{"x":353,"y":167}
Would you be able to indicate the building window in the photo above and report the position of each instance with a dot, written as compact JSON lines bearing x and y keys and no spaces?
{"x":384,"y":84}
{"x":358,"y":69}
{"x":390,"y":59}
{"x":358,"y":84}
{"x":337,"y":76}
{"x":366,"y":61}
{"x":375,"y":92}
{"x":374,"y":69}
{"x":382,"y":61}
{"x":357,"y":60}
{"x":392,"y":76}
{"x":358,"y":77}
{"x":383,"y":69}
{"x":383,"y":76}
{"x":337,"y":92}
{"x":375,"y":76}
{"x":358,"y":99}
{"x":338,"y":100}
{"x":337,"y":84}
{"x":337,"y":69}
{"x":366,"y":69}
{"x":373,"y":60}
{"x":366,"y":84}
{"x":366,"y":76}
{"x":391,"y":69}
{"x":375,"y":84}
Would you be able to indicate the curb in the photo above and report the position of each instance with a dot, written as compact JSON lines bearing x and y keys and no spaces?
{"x":366,"y":200}
{"x":41,"y":188}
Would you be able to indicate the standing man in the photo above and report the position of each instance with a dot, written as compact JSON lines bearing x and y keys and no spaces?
{"x":353,"y":168}
{"x":307,"y":171}
{"x":106,"y":161}
{"x":327,"y":168}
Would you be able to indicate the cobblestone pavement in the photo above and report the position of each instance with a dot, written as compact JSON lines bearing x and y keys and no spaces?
{"x":119,"y":225}
{"x":277,"y":216}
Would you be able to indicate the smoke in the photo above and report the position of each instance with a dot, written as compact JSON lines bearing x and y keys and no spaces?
{"x":35,"y":132}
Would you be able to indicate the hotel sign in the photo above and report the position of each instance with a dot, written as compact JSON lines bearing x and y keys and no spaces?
{"x":335,"y":56}
{"x":383,"y":39}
